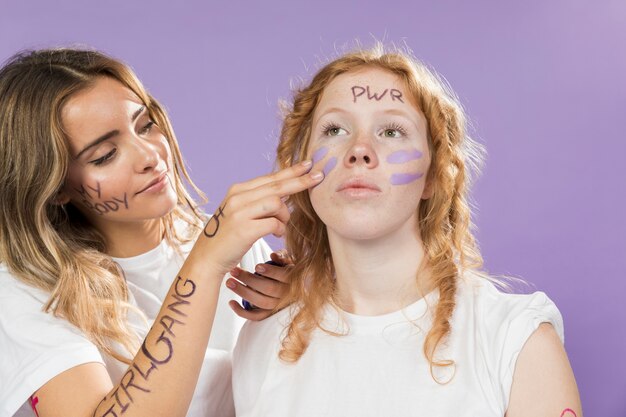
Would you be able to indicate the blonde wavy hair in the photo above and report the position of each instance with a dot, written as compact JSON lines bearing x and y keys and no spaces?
{"x":444,"y":219}
{"x":53,"y":247}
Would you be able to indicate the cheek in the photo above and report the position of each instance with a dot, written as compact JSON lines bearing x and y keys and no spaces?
{"x":324,"y":159}
{"x":406,"y":166}
{"x":165,"y":152}
{"x":99,"y":194}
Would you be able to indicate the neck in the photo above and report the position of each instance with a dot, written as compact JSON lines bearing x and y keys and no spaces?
{"x":125,"y":240}
{"x":379,"y":276}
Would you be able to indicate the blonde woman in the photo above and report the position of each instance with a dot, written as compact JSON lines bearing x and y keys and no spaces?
{"x":98,"y":234}
{"x":390,"y":313}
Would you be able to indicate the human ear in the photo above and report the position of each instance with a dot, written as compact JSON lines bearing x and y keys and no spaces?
{"x":61,"y":198}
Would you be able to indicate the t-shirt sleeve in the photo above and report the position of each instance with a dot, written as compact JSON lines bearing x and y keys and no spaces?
{"x":227,"y":324}
{"x":34,"y":346}
{"x":259,"y":253}
{"x":512,"y":320}
{"x":256,"y":349}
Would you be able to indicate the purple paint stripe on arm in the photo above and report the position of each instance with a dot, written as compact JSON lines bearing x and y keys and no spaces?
{"x":402,"y":179}
{"x":402,"y":156}
{"x":319,"y":154}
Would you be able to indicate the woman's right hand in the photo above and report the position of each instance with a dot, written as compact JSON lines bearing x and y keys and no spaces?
{"x":250,"y":211}
{"x":164,"y":372}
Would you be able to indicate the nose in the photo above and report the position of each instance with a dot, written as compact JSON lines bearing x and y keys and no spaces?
{"x":361,"y":153}
{"x":147,"y":156}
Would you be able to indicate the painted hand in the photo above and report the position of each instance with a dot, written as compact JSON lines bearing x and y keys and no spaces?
{"x":250,"y":211}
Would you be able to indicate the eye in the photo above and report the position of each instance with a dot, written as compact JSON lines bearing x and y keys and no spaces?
{"x":332,"y":129}
{"x":146,"y":128}
{"x":393,"y":131}
{"x":105,"y":158}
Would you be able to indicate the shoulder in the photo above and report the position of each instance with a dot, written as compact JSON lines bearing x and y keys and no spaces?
{"x":497,"y":311}
{"x":503,"y":324}
{"x":543,"y":381}
{"x":35,"y":346}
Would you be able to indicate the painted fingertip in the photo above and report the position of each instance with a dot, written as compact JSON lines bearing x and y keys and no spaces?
{"x":307,"y":163}
{"x":316,"y":175}
{"x":230,"y":283}
{"x":235,"y":272}
{"x":260,"y":268}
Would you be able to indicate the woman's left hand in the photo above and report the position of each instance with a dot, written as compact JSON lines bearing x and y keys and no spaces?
{"x":264,"y":289}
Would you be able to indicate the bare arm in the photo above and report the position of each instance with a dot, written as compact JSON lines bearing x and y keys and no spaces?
{"x":163,"y":374}
{"x":543,"y":382}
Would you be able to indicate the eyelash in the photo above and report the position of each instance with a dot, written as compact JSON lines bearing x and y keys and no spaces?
{"x":110,"y":155}
{"x":327,"y":127}
{"x":105,"y":158}
{"x":395,"y":126}
{"x":147,"y":127}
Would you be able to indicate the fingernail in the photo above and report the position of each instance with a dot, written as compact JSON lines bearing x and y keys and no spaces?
{"x":230,"y":283}
{"x":260,"y":269}
{"x":234,"y":272}
{"x":307,"y":163}
{"x":316,"y":175}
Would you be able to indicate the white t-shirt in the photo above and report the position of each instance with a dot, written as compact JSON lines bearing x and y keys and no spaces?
{"x":379,"y":369}
{"x":36,"y":346}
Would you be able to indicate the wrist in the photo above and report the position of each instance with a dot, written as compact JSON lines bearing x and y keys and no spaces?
{"x":203,"y":263}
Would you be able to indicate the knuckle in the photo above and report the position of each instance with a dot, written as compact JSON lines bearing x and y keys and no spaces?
{"x":275,"y":290}
{"x":280,"y":226}
{"x":234,"y":201}
{"x":276,"y":186}
{"x":233,"y":189}
{"x":272,"y":204}
{"x":265,"y":304}
{"x":274,"y":177}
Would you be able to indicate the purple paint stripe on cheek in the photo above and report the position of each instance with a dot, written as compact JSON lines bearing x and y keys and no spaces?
{"x":319,"y":154}
{"x":402,"y":156}
{"x":402,"y":179}
{"x":329,"y":165}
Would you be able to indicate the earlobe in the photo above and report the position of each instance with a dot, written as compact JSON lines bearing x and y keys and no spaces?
{"x":61,"y":198}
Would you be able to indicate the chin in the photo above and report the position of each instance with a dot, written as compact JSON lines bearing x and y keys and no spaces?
{"x":354,"y":227}
{"x":156,"y":211}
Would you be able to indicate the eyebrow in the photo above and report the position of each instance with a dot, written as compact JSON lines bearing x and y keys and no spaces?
{"x":329,"y":111}
{"x":110,"y":134}
{"x":395,"y":112}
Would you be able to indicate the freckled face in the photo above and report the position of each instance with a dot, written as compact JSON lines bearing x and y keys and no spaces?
{"x":371,"y":142}
{"x":121,"y":164}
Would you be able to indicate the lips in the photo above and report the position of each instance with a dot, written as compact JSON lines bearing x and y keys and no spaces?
{"x":159,"y":179}
{"x":358,"y":184}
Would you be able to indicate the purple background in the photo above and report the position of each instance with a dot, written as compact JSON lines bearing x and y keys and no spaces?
{"x":543,"y":82}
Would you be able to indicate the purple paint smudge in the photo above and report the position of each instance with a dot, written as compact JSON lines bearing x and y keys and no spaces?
{"x":402,"y":156}
{"x":319,"y":154}
{"x":329,"y":165}
{"x":402,"y":179}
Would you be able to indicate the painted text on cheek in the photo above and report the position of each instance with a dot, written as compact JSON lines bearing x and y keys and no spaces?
{"x":98,"y":205}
